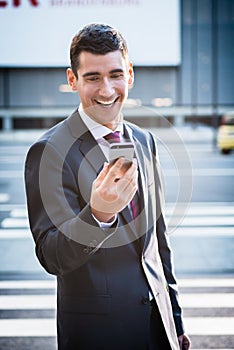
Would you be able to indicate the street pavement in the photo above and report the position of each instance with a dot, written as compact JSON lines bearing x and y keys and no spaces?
{"x":27,"y":312}
{"x":201,"y":231}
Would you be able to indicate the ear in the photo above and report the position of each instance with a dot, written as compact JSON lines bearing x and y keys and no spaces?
{"x":130,"y":76}
{"x":71,"y":79}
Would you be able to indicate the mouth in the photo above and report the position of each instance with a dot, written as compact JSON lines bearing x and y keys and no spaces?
{"x":107,"y":104}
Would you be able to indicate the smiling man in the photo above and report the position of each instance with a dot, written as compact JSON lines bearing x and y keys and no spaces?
{"x":100,"y":229}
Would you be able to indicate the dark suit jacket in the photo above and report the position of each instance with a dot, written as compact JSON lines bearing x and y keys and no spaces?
{"x":103,"y":275}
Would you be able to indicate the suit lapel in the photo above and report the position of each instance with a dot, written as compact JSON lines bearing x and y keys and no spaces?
{"x":92,"y":152}
{"x":88,"y":145}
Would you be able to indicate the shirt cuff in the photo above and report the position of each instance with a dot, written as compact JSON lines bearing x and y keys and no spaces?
{"x":105,"y":224}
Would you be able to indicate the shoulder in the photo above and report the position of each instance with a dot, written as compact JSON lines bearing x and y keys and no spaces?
{"x":60,"y":137}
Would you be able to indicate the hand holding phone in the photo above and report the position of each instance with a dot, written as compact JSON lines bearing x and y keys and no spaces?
{"x":121,"y":150}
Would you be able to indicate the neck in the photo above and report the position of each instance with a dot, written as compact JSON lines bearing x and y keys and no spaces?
{"x":115,"y":123}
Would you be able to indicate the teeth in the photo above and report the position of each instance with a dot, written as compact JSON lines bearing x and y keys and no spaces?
{"x":106,"y":103}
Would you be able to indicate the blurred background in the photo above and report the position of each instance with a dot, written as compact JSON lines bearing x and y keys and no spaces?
{"x":183,"y":56}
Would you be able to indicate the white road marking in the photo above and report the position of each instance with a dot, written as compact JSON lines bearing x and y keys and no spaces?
{"x":199,"y":172}
{"x":4,"y":197}
{"x":209,"y":325}
{"x":47,"y":327}
{"x":28,"y":328}
{"x":206,"y":282}
{"x":207,"y":300}
{"x":201,"y":300}
{"x":4,"y":174}
{"x":27,"y":302}
{"x":181,"y":231}
{"x":14,"y":223}
{"x":28,"y":284}
{"x":182,"y":282}
{"x":15,"y":234}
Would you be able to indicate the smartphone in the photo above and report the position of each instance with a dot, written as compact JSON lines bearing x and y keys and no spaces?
{"x":121,"y":150}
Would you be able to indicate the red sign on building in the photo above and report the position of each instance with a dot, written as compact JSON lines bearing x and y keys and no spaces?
{"x":17,"y":3}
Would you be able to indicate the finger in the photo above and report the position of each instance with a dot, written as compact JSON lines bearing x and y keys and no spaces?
{"x":113,"y":172}
{"x":129,"y":178}
{"x":101,"y":176}
{"x":126,"y":188}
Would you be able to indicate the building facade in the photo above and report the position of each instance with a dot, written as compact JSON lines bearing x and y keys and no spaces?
{"x":200,"y":88}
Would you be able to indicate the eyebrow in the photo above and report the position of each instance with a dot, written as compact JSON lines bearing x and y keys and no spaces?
{"x":117,"y":70}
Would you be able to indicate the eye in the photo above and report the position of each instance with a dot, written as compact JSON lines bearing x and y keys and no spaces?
{"x":116,"y":75}
{"x":93,"y":78}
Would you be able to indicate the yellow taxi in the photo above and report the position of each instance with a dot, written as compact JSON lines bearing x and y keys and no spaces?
{"x":225,"y":136}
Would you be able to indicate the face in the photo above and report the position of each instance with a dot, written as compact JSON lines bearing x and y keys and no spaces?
{"x":102,"y":84}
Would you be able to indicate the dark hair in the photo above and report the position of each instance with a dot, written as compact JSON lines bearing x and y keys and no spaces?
{"x":97,"y":39}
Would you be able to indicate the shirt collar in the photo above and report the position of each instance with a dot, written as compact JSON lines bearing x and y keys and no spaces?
{"x":97,"y":130}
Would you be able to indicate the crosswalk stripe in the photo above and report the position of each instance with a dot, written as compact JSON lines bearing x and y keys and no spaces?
{"x":15,"y":234}
{"x":47,"y":327}
{"x":14,"y":223}
{"x":188,"y":300}
{"x":19,"y":213}
{"x":210,"y":325}
{"x":28,"y":328}
{"x":27,"y":302}
{"x":201,"y":231}
{"x":193,"y":209}
{"x":207,"y":221}
{"x":12,"y":159}
{"x":11,"y":174}
{"x":201,"y":209}
{"x":195,"y":282}
{"x":200,"y":220}
{"x":25,"y":233}
{"x":4,"y":197}
{"x":206,"y":282}
{"x":166,"y":172}
{"x":224,"y":221}
{"x":207,"y":300}
{"x":31,"y":284}
{"x":9,"y":207}
{"x":198,"y":172}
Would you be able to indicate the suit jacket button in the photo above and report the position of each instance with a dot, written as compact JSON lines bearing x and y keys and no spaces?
{"x":86,"y":250}
{"x":145,"y":300}
{"x":95,"y":243}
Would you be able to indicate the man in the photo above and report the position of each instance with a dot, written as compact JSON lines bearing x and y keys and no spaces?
{"x":115,"y":284}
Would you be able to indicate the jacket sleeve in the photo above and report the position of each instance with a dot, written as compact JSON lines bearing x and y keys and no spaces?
{"x":65,"y":233}
{"x":165,"y":251}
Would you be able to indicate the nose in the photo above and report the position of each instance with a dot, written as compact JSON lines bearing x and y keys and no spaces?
{"x":106,"y":88}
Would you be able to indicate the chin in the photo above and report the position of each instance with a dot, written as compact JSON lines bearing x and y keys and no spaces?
{"x":107,"y":115}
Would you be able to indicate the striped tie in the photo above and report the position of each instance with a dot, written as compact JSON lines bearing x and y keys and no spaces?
{"x":113,"y":137}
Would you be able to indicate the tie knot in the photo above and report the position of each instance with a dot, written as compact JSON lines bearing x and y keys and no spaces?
{"x":113,"y":137}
